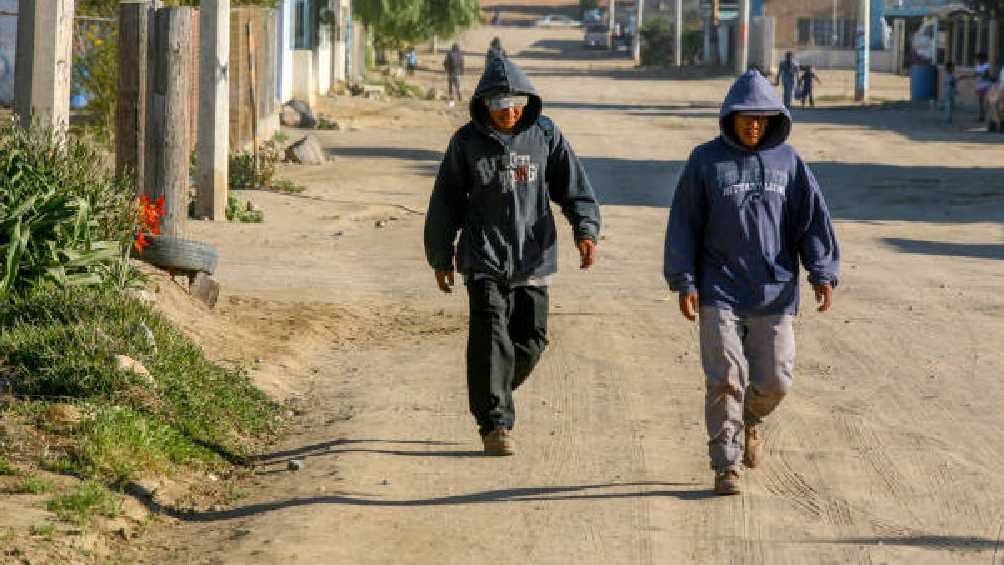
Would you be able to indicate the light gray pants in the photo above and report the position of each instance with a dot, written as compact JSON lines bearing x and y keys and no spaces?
{"x":748,"y":363}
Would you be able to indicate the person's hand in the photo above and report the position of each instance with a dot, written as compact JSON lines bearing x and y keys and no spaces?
{"x":824,"y":296}
{"x":587,"y":251}
{"x":689,"y":303}
{"x":445,"y":281}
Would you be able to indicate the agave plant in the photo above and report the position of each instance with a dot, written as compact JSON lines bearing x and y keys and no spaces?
{"x":64,"y":216}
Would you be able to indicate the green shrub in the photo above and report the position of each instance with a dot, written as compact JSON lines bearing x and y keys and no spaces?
{"x":64,"y":217}
{"x":90,"y":499}
{"x":657,"y":42}
{"x":8,"y":470}
{"x":237,"y":211}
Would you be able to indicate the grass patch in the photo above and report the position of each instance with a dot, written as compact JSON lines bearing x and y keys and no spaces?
{"x":287,"y":186}
{"x":8,"y":470}
{"x":121,"y":444}
{"x":34,"y":485}
{"x":61,"y":343}
{"x":89,"y":500}
{"x":45,"y":529}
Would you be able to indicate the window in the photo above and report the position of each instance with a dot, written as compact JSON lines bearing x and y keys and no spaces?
{"x":802,"y":31}
{"x":822,"y":33}
{"x":302,"y":26}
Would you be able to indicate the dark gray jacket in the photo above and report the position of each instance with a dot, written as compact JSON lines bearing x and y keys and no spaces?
{"x":496,"y":191}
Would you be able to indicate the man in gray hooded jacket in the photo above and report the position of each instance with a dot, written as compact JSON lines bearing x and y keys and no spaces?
{"x":747,"y":210}
{"x":494,"y":187}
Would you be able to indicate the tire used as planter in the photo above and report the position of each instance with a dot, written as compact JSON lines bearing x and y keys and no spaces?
{"x":180,"y":255}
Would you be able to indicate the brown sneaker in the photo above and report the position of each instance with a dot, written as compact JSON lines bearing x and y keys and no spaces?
{"x":726,"y":483}
{"x":499,"y":442}
{"x":751,"y":451}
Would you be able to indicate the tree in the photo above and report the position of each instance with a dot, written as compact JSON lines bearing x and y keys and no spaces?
{"x":400,"y":23}
{"x":992,"y":7}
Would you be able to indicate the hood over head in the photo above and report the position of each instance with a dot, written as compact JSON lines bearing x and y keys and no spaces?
{"x":502,"y":76}
{"x":752,"y":93}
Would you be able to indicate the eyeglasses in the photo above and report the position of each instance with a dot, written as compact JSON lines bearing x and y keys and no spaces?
{"x":496,"y":103}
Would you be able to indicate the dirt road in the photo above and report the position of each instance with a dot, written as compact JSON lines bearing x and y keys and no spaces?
{"x":887,"y":451}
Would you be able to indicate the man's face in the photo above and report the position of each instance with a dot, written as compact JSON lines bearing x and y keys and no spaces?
{"x":505,"y":120}
{"x":751,"y":129}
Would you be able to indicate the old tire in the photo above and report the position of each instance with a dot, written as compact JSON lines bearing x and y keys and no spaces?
{"x":180,"y":255}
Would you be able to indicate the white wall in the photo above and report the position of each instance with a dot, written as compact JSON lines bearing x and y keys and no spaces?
{"x":881,"y":61}
{"x":8,"y":43}
{"x":284,"y":51}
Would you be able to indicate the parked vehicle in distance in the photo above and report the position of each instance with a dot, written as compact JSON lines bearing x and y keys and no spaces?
{"x":995,"y":107}
{"x":557,"y":20}
{"x":597,"y":35}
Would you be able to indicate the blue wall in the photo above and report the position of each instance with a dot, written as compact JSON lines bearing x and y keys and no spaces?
{"x":756,"y":7}
{"x":878,"y":10}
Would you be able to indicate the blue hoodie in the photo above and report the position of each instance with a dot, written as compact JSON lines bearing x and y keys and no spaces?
{"x":742,"y":219}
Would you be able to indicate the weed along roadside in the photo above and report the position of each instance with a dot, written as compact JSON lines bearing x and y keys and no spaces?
{"x":100,"y":394}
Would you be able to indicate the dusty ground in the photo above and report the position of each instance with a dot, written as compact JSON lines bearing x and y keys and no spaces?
{"x":887,"y":451}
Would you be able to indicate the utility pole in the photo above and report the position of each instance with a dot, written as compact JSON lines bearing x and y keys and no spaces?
{"x":678,"y":40}
{"x":743,"y":52}
{"x":213,"y":144}
{"x":637,"y":33}
{"x":612,"y":16}
{"x":168,"y":133}
{"x":861,"y":84}
{"x":43,"y":62}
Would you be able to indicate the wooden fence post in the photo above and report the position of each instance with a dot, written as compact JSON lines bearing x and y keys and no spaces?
{"x":43,"y":63}
{"x":214,"y":109}
{"x":169,"y":144}
{"x":131,"y":107}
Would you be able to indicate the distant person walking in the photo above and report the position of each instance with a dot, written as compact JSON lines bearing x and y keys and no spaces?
{"x":950,"y":89}
{"x":806,"y":86}
{"x":746,"y":212}
{"x":498,"y":178}
{"x":454,"y":66}
{"x":495,"y":51}
{"x":787,"y":74}
{"x":984,"y":81}
{"x":411,"y":58}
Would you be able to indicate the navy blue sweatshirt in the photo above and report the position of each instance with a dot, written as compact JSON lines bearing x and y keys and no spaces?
{"x":743,"y":219}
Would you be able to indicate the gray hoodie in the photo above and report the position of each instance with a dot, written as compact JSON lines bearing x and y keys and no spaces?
{"x":495,"y":190}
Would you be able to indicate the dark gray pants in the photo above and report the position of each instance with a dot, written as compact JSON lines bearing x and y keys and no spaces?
{"x":454,"y":82}
{"x":508,"y":334}
{"x":748,"y":363}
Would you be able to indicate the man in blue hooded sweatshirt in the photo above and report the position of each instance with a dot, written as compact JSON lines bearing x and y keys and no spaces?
{"x":495,"y":185}
{"x":746,"y":211}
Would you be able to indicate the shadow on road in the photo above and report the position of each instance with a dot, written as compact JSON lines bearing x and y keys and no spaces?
{"x":924,"y":541}
{"x":513,"y":495}
{"x":971,"y":250}
{"x":328,"y":447}
{"x":914,"y":122}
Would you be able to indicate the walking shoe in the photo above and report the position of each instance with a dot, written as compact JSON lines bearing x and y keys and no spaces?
{"x":499,"y":442}
{"x":726,"y":483}
{"x":751,"y":451}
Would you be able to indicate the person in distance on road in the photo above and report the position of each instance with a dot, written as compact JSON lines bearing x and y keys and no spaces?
{"x":747,"y":209}
{"x":495,"y":184}
{"x":454,"y":66}
{"x":787,"y":74}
